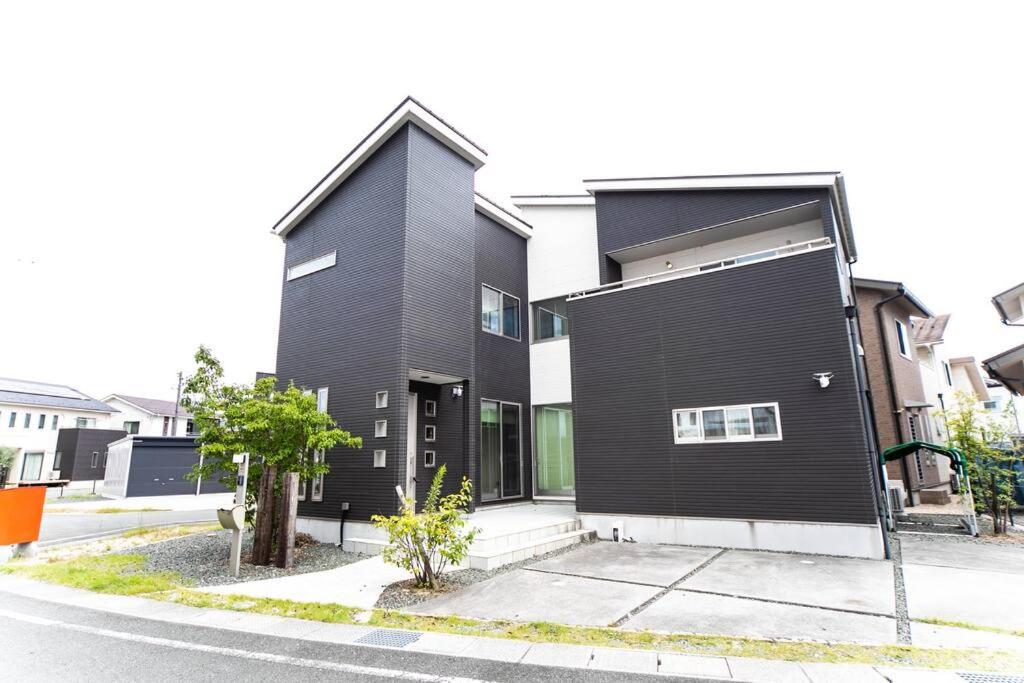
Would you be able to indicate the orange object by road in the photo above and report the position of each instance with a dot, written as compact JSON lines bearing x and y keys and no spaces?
{"x":21,"y":514}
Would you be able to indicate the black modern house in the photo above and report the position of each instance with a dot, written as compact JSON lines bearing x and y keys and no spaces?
{"x":675,"y":358}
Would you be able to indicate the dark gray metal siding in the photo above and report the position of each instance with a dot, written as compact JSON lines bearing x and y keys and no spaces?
{"x":159,"y":465}
{"x":341,"y":327}
{"x":625,"y":219}
{"x":503,"y":364}
{"x":746,"y":335}
{"x":76,"y":447}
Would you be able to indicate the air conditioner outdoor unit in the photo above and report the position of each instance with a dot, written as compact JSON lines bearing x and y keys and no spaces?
{"x":896,"y":499}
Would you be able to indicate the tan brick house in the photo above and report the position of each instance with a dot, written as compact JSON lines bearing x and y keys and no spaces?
{"x":901,"y":405}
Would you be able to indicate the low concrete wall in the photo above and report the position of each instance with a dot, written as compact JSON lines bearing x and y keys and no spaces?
{"x":851,"y":540}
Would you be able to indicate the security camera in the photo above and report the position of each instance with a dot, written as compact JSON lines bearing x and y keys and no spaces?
{"x":823,"y":379}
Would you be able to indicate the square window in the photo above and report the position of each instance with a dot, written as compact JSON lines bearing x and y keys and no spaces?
{"x":382,"y":399}
{"x":430,"y":433}
{"x":766,"y":422}
{"x":379,"y":458}
{"x":380,"y":428}
{"x":430,"y":408}
{"x":499,"y":312}
{"x":429,"y":458}
{"x":687,"y":425}
{"x":714,"y":424}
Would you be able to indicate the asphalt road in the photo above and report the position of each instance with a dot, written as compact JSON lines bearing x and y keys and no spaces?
{"x":60,"y":527}
{"x":45,"y":641}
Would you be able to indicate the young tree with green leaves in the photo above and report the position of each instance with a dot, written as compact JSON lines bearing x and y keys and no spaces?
{"x":985,"y":443}
{"x":425,"y":543}
{"x":7,"y":454}
{"x":280,"y":430}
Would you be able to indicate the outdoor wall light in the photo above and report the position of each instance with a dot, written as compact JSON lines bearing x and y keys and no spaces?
{"x":456,"y":391}
{"x":823,"y":379}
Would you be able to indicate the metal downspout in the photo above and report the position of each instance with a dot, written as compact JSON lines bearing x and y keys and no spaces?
{"x":868,"y":410}
{"x":901,"y":291}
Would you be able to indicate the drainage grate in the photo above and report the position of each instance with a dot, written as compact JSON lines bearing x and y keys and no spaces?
{"x":981,"y":677}
{"x":388,"y":638}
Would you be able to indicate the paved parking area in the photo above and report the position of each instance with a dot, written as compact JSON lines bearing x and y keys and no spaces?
{"x":764,"y":594}
{"x":817,"y":581}
{"x":964,"y":580}
{"x":654,"y":565}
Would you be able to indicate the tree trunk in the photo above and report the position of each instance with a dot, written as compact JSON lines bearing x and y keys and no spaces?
{"x":264,"y":534}
{"x":286,"y":524}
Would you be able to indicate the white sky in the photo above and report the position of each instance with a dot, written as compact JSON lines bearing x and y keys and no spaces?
{"x":145,"y":153}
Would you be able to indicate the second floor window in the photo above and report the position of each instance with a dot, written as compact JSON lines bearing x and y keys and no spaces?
{"x":550,"y":319}
{"x":131,"y":427}
{"x":499,"y":312}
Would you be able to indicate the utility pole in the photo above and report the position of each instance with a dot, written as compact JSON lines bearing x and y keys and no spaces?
{"x":177,"y":403}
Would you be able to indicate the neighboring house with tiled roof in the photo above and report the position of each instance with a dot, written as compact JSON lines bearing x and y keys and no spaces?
{"x":150,"y":416}
{"x":31,"y":415}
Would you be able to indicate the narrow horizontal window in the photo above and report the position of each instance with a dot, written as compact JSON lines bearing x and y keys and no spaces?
{"x":312,"y":266}
{"x":720,"y":424}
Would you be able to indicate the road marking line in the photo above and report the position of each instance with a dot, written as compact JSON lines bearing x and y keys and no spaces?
{"x":244,"y":654}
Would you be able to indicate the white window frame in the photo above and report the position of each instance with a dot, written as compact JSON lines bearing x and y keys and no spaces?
{"x":380,"y":458}
{"x":729,"y":438}
{"x":381,"y":399}
{"x":380,"y":429}
{"x":94,"y":460}
{"x":317,"y":496}
{"x":430,"y":408}
{"x":902,"y":340}
{"x":311,"y":266}
{"x":430,"y":433}
{"x":430,"y":459}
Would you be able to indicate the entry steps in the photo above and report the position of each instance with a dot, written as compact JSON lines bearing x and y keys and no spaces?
{"x":504,"y":545}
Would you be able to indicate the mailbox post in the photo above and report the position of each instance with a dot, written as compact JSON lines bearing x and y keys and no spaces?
{"x":236,"y":518}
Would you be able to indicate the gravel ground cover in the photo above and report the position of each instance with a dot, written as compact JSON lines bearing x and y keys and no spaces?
{"x":405,"y":594}
{"x":202,"y":559}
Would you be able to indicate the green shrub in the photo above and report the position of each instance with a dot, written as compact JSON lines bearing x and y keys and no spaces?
{"x":425,"y":543}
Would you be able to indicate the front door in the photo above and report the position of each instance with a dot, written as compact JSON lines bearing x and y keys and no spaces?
{"x":412,"y":432}
{"x":501,"y":461}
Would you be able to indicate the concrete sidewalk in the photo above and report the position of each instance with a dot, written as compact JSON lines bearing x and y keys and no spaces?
{"x":571,"y":656}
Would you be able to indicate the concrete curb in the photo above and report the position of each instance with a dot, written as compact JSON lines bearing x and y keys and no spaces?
{"x":474,"y":647}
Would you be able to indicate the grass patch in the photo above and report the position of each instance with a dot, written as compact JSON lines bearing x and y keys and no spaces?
{"x":973,"y":627}
{"x":126,"y":575}
{"x":81,"y":498}
{"x":313,"y":611}
{"x":105,"y":510}
{"x":117,"y":574}
{"x":163,"y":533}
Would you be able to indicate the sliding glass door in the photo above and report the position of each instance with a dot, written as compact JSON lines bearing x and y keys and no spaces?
{"x":556,"y":475}
{"x":501,"y":462}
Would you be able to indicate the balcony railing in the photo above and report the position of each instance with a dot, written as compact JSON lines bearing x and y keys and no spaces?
{"x":710,"y":266}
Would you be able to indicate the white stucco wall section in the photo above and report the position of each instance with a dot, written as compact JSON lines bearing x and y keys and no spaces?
{"x":562,"y":254}
{"x":851,"y":540}
{"x":550,"y":376}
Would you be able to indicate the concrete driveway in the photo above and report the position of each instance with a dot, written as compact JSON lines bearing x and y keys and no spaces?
{"x":963,"y":580}
{"x":697,"y":590}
